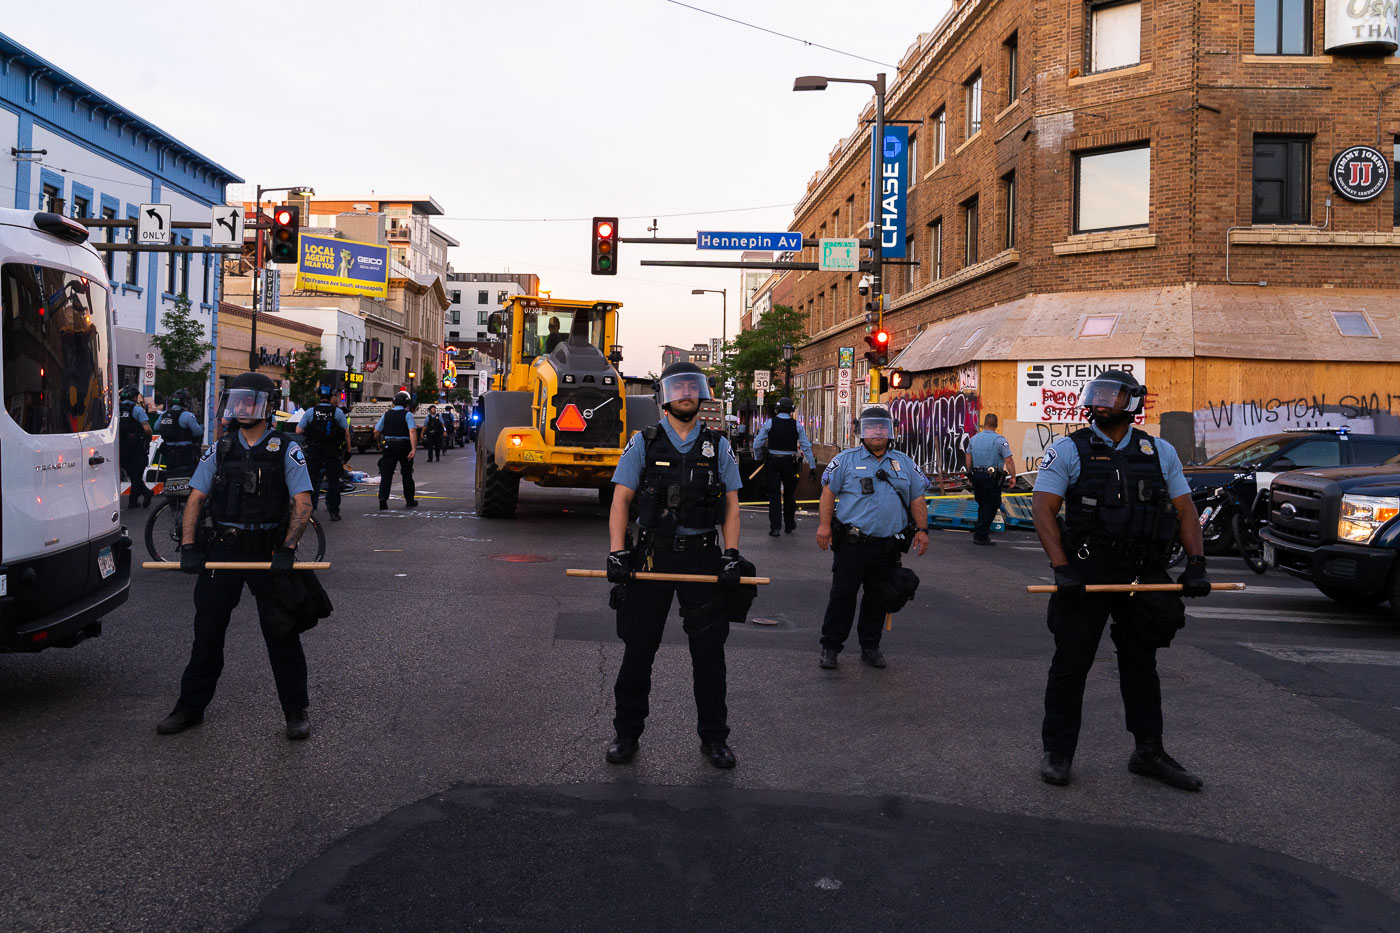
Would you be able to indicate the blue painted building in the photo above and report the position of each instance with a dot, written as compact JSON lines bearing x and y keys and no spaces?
{"x":75,"y":148}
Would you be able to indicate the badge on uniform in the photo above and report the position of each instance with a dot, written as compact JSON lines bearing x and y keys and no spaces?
{"x":298,"y":457}
{"x":274,"y":444}
{"x":707,"y":449}
{"x":1048,"y":459}
{"x":1145,"y":446}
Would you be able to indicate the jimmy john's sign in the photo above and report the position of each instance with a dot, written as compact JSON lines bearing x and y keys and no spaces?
{"x":1360,"y":173}
{"x":1362,"y":25}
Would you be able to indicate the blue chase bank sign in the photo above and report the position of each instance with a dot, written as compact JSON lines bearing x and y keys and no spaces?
{"x":889,"y":202}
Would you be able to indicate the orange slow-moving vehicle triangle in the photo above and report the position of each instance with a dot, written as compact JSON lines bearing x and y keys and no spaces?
{"x":571,"y":419}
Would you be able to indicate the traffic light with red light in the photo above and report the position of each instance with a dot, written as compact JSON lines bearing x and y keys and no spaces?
{"x":604,"y":246}
{"x":282,"y":238}
{"x":879,"y":352}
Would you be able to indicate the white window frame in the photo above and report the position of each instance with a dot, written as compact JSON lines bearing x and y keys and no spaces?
{"x":940,"y":136}
{"x":1362,"y":315}
{"x":972,"y":101}
{"x":1115,"y":35}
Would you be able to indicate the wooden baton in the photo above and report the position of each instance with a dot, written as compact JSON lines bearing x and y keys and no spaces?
{"x":758,"y":471}
{"x":666,"y":577}
{"x":1135,"y":588}
{"x":235,"y":565}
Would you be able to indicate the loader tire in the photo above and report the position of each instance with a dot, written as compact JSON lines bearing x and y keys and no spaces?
{"x":497,"y":491}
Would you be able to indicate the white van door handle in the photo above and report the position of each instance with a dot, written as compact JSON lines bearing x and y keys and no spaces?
{"x":94,"y":461}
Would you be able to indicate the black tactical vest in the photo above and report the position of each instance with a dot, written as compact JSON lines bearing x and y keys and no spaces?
{"x":321,"y":434}
{"x":433,"y":425}
{"x":782,"y":434}
{"x":250,"y":486}
{"x":680,"y":490}
{"x":1120,"y":495}
{"x":395,"y":424}
{"x":170,"y":430}
{"x":130,"y":433}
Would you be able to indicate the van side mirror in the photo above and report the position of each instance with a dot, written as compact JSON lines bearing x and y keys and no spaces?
{"x":493,"y":323}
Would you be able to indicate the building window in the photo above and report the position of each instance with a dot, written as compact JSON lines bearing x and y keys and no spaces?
{"x":185,"y":267}
{"x":913,"y":159}
{"x":1112,"y":189}
{"x":483,"y":318}
{"x":1354,"y":324}
{"x":204,"y":294}
{"x":502,"y":296}
{"x":1012,"y":78}
{"x":935,"y":250}
{"x":1098,"y":325}
{"x":133,"y":259}
{"x":482,"y":298}
{"x":973,"y":97}
{"x":910,"y":267}
{"x":81,"y":207}
{"x":48,"y":194}
{"x":456,"y":297}
{"x":1115,"y":35}
{"x":970,"y":232}
{"x":1280,"y":180}
{"x":972,"y":338}
{"x":396,"y":357}
{"x":109,"y":257}
{"x":170,"y":274}
{"x":1008,"y":183}
{"x":1282,"y":27}
{"x":1395,"y":191}
{"x":940,"y":136}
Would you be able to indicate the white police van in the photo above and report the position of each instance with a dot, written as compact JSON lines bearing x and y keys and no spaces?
{"x":65,"y":559}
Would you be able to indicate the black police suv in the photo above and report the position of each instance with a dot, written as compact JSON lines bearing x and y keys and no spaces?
{"x":1338,"y":529}
{"x":1271,"y":454}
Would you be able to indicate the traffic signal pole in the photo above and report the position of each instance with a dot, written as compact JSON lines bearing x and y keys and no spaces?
{"x":877,"y":278}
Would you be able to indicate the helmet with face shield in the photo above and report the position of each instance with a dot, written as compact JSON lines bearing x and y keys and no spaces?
{"x":251,"y":398}
{"x":876,"y":424}
{"x":1114,"y":390}
{"x":682,"y":381}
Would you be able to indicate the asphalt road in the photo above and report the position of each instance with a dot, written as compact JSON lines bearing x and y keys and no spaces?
{"x":461,"y":701}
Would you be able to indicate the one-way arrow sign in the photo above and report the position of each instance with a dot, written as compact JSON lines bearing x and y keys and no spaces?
{"x":153,"y":224}
{"x":226,"y":225}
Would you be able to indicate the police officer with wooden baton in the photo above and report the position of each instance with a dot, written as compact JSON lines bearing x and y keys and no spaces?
{"x":1124,"y":496}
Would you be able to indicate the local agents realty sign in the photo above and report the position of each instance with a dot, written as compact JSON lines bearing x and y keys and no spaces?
{"x":1047,"y":391}
{"x":1365,"y":25}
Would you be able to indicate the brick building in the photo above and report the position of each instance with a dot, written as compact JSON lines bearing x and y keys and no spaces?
{"x":1144,"y":182}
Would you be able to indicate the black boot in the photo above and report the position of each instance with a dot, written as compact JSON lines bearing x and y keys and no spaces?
{"x":179,"y":720}
{"x":298,"y":726}
{"x":622,"y":750}
{"x":719,"y":753}
{"x":872,"y":656}
{"x":1054,"y":769}
{"x":1149,"y":759}
{"x":828,"y":661}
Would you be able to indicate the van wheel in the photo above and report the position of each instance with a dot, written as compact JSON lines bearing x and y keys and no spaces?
{"x":497,"y":491}
{"x":1350,"y":597}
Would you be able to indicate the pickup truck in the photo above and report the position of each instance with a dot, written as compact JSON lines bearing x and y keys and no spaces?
{"x":363,"y":416}
{"x":1338,"y":529}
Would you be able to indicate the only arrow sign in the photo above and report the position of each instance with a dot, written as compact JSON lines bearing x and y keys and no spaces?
{"x":154,"y":214}
{"x":153,"y":224}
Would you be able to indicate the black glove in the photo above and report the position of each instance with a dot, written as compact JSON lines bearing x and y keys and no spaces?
{"x":1193,"y":579}
{"x":760,"y":456}
{"x":812,"y":472}
{"x":191,"y":559}
{"x":1070,"y":586}
{"x":618,"y":571}
{"x":731,"y":569}
{"x":282,"y":559}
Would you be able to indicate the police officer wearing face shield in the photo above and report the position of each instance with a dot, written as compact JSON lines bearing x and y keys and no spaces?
{"x":254,"y":485}
{"x":777,"y":445}
{"x":134,"y":445}
{"x":325,"y":434}
{"x":180,"y":433}
{"x":685,"y":481}
{"x":872,"y":510}
{"x":400,"y":436}
{"x":1124,"y":497}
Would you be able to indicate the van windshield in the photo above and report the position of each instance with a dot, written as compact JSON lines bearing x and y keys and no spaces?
{"x":56,"y":355}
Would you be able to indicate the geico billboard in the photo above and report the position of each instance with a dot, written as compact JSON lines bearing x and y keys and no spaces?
{"x":342,"y":267}
{"x":1048,"y":391}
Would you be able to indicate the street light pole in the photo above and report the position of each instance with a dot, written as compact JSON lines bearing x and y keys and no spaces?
{"x":723,"y":321}
{"x":787,"y":369}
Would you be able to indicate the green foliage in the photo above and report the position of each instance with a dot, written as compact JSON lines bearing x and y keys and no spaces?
{"x":762,"y":348}
{"x":427,"y":387}
{"x":181,"y":344}
{"x":306,"y":373}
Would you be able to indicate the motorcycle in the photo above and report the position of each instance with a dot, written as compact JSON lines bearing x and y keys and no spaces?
{"x":1233,"y":506}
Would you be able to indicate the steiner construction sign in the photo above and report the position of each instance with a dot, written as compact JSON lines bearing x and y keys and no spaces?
{"x":342,"y":267}
{"x":1047,"y":391}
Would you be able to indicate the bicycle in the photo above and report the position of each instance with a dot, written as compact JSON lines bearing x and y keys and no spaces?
{"x":167,"y":520}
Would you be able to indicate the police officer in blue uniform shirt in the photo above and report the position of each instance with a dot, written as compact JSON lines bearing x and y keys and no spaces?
{"x":255,"y":488}
{"x":449,"y":427}
{"x":776,"y":446}
{"x":400,"y":436}
{"x":325,"y":434}
{"x":989,"y":464}
{"x":134,"y":445}
{"x":180,"y":433}
{"x":872,"y":509}
{"x":685,"y":481}
{"x":1124,"y":497}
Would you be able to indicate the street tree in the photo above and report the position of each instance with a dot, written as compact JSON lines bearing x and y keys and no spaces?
{"x":305,"y":374}
{"x":761,"y":347}
{"x":182,"y":345}
{"x":428,"y":385}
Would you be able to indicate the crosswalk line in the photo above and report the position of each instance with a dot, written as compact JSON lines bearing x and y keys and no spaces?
{"x":1300,"y":654}
{"x":1283,"y":591}
{"x":1280,"y":615}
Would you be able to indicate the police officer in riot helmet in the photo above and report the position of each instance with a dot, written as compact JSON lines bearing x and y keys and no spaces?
{"x":134,"y":445}
{"x":400,"y":436}
{"x":872,"y":510}
{"x":254,"y":487}
{"x":1125,"y":500}
{"x":180,"y":433}
{"x":777,"y":446}
{"x":325,"y":433}
{"x":684,"y":480}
